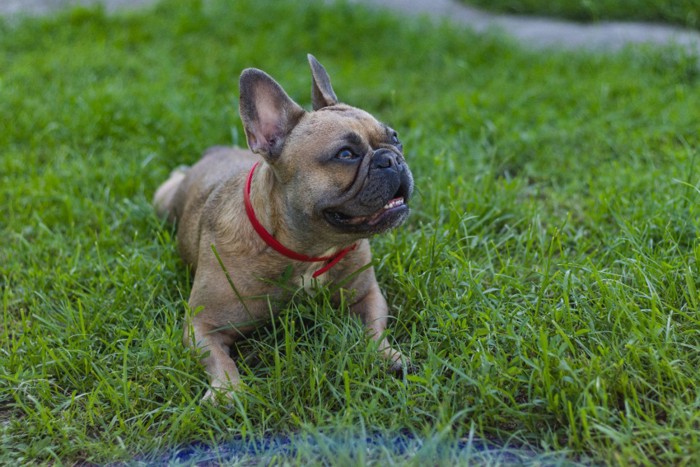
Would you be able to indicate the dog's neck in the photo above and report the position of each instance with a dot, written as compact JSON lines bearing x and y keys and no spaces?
{"x":276,"y":235}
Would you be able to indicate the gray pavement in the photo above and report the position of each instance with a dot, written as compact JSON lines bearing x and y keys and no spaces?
{"x":43,"y":7}
{"x":540,"y":32}
{"x":536,"y":32}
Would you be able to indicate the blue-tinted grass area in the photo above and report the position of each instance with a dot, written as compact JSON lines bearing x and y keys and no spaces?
{"x":545,"y":285}
{"x":357,"y":449}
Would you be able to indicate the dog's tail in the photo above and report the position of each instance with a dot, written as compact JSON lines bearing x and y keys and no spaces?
{"x":165,"y":194}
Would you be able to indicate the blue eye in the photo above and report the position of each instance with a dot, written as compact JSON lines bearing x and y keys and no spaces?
{"x":395,"y":139}
{"x":346,"y":154}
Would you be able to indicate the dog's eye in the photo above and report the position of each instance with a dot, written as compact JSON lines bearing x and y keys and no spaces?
{"x":395,"y":140}
{"x":346,"y":154}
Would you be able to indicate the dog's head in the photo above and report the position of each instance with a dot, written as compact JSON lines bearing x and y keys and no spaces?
{"x":341,"y":172}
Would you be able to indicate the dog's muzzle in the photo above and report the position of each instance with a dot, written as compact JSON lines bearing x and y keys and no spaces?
{"x":384,"y":159}
{"x":383,"y":201}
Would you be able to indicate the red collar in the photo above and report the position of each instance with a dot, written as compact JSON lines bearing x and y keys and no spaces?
{"x":277,"y":246}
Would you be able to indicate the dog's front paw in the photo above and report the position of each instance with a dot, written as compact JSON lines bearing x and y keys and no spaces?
{"x":403,"y":366}
{"x":219,"y":395}
{"x":399,"y":364}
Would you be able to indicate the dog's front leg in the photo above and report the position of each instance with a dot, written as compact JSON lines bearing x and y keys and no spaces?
{"x":214,"y":346}
{"x":374,"y":312}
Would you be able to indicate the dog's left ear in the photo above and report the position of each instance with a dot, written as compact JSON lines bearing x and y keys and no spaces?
{"x":268,"y":113}
{"x":322,"y":94}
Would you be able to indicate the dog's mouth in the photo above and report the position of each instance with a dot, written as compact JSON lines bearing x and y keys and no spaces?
{"x":392,"y":214}
{"x":392,"y":207}
{"x":362,"y":216}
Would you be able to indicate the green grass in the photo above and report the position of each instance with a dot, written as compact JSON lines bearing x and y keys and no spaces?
{"x":546,"y":284}
{"x":682,"y":12}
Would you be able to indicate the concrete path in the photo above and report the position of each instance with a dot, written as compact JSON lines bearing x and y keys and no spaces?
{"x":43,"y":7}
{"x":537,"y":32}
{"x":540,"y":32}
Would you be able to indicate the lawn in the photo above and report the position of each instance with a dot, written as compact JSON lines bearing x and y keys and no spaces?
{"x":546,"y":284}
{"x":681,"y":12}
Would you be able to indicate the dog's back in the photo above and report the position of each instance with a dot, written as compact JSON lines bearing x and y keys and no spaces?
{"x":183,"y":196}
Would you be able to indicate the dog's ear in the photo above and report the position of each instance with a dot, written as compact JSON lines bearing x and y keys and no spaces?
{"x":322,"y":94}
{"x":268,"y":113}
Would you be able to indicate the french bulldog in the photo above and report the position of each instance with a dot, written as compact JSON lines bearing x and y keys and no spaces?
{"x":300,"y":204}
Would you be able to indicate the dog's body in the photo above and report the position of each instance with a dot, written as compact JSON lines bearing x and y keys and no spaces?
{"x":323,"y":182}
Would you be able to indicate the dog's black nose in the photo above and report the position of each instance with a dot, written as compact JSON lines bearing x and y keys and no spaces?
{"x":384,"y":159}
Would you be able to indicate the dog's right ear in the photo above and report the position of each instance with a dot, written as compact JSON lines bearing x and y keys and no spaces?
{"x":268,"y":113}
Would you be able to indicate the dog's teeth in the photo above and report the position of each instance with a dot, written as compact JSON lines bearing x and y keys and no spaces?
{"x":393,"y":203}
